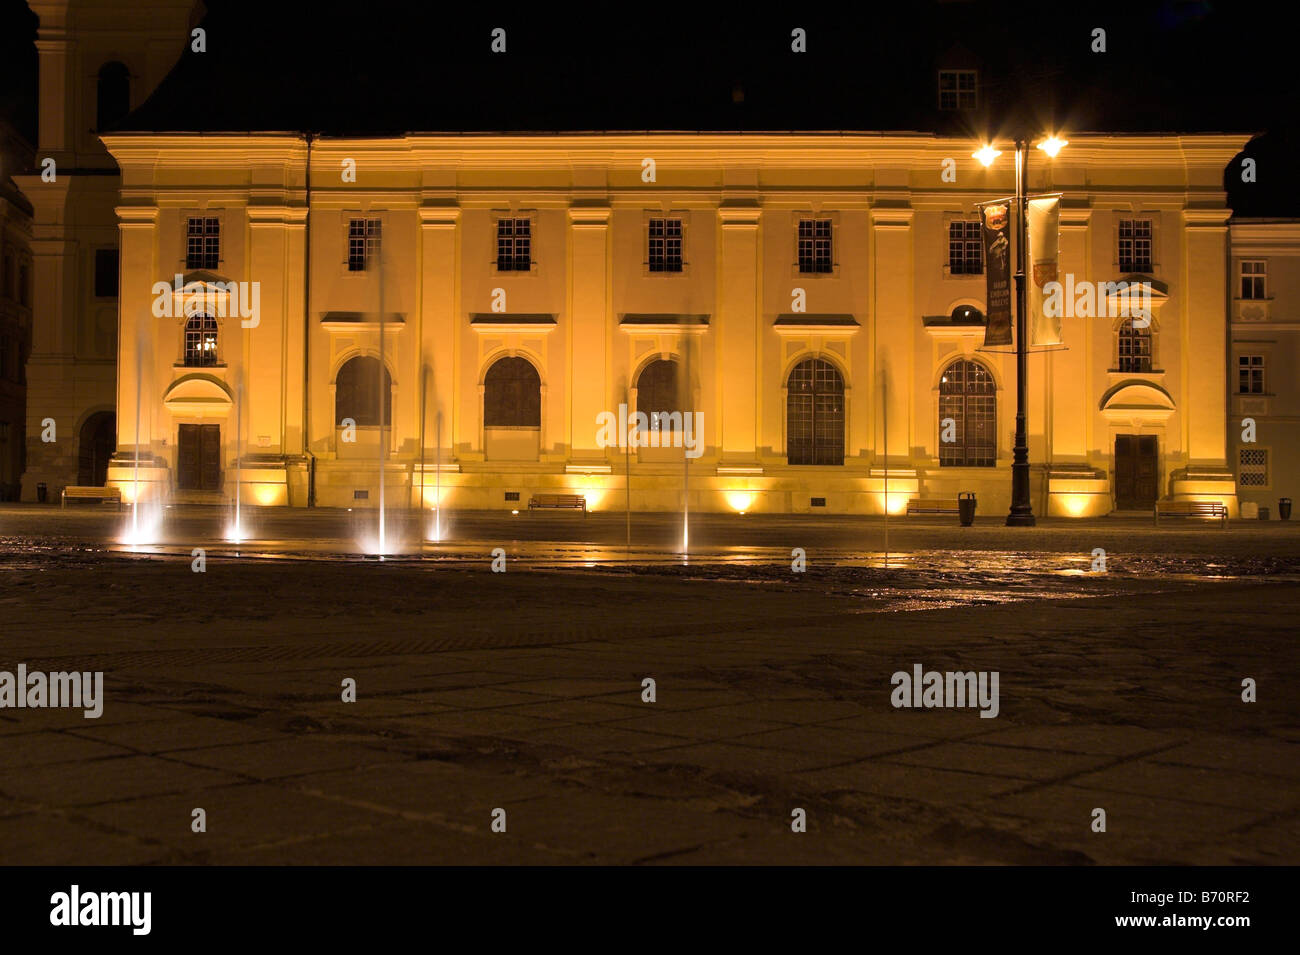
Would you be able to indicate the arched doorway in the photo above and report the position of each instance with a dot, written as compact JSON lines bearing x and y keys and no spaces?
{"x":96,"y":444}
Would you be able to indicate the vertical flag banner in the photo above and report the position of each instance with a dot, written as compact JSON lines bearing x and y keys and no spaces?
{"x":1044,"y":261}
{"x":996,"y":231}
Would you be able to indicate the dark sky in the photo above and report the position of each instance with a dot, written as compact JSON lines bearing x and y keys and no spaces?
{"x":392,"y":67}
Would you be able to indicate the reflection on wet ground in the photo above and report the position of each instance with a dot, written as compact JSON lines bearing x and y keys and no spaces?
{"x":898,"y":581}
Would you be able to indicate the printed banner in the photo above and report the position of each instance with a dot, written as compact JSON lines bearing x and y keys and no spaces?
{"x":1044,"y":264}
{"x":996,"y":220}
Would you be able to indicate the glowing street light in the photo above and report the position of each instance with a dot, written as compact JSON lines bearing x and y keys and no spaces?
{"x":1052,"y":145}
{"x":1022,"y":511}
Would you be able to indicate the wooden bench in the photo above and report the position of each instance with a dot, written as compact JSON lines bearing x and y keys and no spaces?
{"x":563,"y":501}
{"x":1211,"y":510}
{"x":919,"y":505}
{"x":101,"y":494}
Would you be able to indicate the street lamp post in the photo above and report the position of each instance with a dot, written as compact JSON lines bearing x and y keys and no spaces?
{"x":1022,"y":511}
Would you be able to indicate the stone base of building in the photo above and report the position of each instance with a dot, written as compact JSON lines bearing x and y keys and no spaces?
{"x":1206,"y":484}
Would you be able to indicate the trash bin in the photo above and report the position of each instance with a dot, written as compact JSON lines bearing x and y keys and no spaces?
{"x":1284,"y":508}
{"x":966,"y":508}
{"x":41,"y":492}
{"x":1263,"y":513}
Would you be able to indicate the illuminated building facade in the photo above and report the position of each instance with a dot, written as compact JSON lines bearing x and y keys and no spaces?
{"x":817,"y":298}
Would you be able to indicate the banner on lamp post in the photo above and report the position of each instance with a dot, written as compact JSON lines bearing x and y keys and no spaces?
{"x":1044,"y":266}
{"x":995,"y":222}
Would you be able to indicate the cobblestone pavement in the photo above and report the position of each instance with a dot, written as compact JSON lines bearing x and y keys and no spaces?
{"x":523,"y":691}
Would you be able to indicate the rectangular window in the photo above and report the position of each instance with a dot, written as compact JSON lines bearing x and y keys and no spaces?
{"x":363,"y":243}
{"x":106,"y":273}
{"x":514,"y":245}
{"x":965,"y":253}
{"x":815,"y":245}
{"x":1135,"y":245}
{"x":1252,"y":467}
{"x":958,"y":89}
{"x":1253,"y":274}
{"x":665,"y":245}
{"x":1250,"y":374}
{"x":203,"y":243}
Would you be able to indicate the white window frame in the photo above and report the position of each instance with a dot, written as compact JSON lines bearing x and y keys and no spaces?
{"x":1260,"y":276}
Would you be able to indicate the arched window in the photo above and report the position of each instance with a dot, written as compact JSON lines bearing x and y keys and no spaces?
{"x":1134,"y":347}
{"x":359,"y":395}
{"x":200,"y":341}
{"x":968,"y":413}
{"x":113,"y":95}
{"x":659,"y":392}
{"x":815,"y":414}
{"x":512,"y":395}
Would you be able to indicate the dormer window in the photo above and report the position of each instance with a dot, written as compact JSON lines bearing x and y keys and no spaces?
{"x":958,"y":89}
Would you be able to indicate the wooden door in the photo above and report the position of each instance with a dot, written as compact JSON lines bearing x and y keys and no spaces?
{"x":1137,"y":471}
{"x":198,"y":458}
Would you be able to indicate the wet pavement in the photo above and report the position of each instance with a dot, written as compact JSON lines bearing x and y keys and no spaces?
{"x":478,"y":690}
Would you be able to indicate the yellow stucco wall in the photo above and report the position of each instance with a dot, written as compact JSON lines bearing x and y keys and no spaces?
{"x":740,"y":198}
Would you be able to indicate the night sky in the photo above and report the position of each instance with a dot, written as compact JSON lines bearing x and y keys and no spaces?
{"x":1168,"y":67}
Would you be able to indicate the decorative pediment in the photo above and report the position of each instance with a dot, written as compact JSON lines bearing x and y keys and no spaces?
{"x":362,"y":321}
{"x":503,"y":323}
{"x":197,"y":395}
{"x":1141,"y":398}
{"x":665,"y":323}
{"x":197,"y":292}
{"x":805,"y":324}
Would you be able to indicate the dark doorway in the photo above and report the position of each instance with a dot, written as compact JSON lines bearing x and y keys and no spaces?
{"x":96,"y":445}
{"x":1137,"y":471}
{"x":198,"y":465}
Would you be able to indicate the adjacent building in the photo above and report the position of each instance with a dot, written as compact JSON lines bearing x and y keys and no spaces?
{"x":98,"y":60}
{"x":1264,"y":399}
